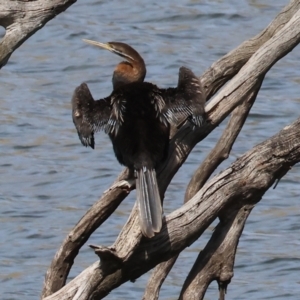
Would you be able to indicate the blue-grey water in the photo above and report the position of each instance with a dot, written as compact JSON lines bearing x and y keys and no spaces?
{"x":48,"y":180}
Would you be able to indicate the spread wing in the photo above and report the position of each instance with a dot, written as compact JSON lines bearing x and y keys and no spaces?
{"x":187,"y":100}
{"x":89,"y":115}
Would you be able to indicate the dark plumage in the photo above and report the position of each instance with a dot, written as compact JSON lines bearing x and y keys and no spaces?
{"x":137,"y":117}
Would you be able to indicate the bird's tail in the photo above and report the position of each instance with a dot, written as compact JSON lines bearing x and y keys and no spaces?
{"x":148,"y":198}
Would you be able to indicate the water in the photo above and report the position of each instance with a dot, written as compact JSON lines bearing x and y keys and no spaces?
{"x":48,"y":180}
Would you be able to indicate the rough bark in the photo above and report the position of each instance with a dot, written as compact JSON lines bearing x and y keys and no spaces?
{"x":219,"y":253}
{"x":226,"y":67}
{"x":216,"y":260}
{"x":157,"y":278}
{"x":62,"y":262}
{"x":223,"y":147}
{"x":212,"y":161}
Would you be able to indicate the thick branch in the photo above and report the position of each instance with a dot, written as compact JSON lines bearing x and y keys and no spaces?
{"x":22,"y":19}
{"x":274,"y":49}
{"x":216,"y":261}
{"x":226,"y":67}
{"x":212,"y":161}
{"x":202,"y":266}
{"x":254,"y":173}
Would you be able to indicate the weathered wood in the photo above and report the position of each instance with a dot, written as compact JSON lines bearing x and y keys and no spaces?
{"x":157,"y":278}
{"x":212,"y":161}
{"x":216,"y":260}
{"x":22,"y":19}
{"x":226,"y":67}
{"x":275,"y":48}
{"x":253,"y":173}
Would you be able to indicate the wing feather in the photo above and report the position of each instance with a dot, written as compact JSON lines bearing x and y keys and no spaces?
{"x":89,"y":115}
{"x":187,"y":100}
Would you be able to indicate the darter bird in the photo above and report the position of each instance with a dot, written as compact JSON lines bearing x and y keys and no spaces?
{"x":137,"y":116}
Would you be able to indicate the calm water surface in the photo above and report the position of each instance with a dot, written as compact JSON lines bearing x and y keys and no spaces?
{"x":48,"y":180}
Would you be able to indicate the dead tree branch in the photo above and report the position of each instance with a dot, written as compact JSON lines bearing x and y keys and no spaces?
{"x":22,"y":19}
{"x":216,"y":261}
{"x":223,"y":147}
{"x":228,"y":66}
{"x":212,"y":161}
{"x":94,"y":217}
{"x":219,"y":253}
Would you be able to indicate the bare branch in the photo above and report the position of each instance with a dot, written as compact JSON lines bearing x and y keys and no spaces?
{"x":216,"y":260}
{"x":258,"y":65}
{"x":157,"y":278}
{"x":22,"y":19}
{"x":226,"y":67}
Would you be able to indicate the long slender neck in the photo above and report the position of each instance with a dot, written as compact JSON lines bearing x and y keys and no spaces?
{"x":128,"y":72}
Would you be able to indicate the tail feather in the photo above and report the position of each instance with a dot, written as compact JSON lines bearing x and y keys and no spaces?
{"x":149,"y":202}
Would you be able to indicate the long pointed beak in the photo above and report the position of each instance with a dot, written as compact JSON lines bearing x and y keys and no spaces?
{"x":109,"y":47}
{"x":101,"y":45}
